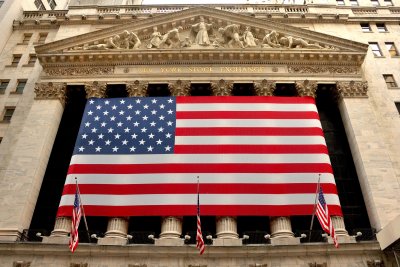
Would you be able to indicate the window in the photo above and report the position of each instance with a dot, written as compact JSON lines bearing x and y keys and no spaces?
{"x":375,"y":2}
{"x":1,"y":3}
{"x":32,"y":59}
{"x":381,"y":27}
{"x":39,"y":5}
{"x":388,"y":2}
{"x":27,"y":38}
{"x":397,"y":106}
{"x":340,"y":2}
{"x":8,"y":114}
{"x":365,"y":27}
{"x":52,"y":4}
{"x":392,"y":49}
{"x":353,"y":2}
{"x":20,"y":86}
{"x":390,"y":82}
{"x":42,"y":37}
{"x":3,"y":86}
{"x":15,"y":60}
{"x":375,"y":49}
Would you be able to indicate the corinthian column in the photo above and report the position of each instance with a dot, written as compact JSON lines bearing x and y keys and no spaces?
{"x":95,"y":89}
{"x":265,"y":88}
{"x":137,"y":88}
{"x":222,"y":88}
{"x":306,"y":88}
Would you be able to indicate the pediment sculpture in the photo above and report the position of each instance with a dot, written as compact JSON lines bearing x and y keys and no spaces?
{"x":203,"y":35}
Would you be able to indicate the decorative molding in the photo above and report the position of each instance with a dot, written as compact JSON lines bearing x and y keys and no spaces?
{"x":79,"y":71}
{"x":137,"y":88}
{"x":265,"y":88}
{"x":314,"y":264}
{"x":352,"y":89}
{"x":375,"y":263}
{"x":197,"y":265}
{"x":324,"y":69}
{"x":258,"y":265}
{"x":95,"y":89}
{"x":21,"y":264}
{"x":306,"y":88}
{"x":137,"y":265}
{"x":179,"y":88}
{"x":78,"y":264}
{"x":222,"y":88}
{"x":51,"y":91}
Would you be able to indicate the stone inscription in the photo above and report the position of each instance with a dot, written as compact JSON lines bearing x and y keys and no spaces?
{"x":195,"y":69}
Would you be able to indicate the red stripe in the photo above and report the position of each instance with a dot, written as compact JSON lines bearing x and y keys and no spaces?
{"x":245,"y":99}
{"x":248,"y":131}
{"x":206,"y":210}
{"x":199,"y":168}
{"x":181,"y":115}
{"x":250,"y":149}
{"x":132,"y":189}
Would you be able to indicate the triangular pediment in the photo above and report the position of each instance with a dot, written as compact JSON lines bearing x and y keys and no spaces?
{"x":203,"y":33}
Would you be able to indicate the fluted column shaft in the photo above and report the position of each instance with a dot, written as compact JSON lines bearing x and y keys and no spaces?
{"x":338,"y":225}
{"x":62,"y":226}
{"x":171,"y":227}
{"x":117,"y":227}
{"x":227,"y":227}
{"x":281,"y":227}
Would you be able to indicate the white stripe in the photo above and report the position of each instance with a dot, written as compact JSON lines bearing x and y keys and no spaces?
{"x":244,"y":107}
{"x":249,"y":140}
{"x":208,"y":178}
{"x":191,"y":199}
{"x":200,"y":158}
{"x":209,"y":123}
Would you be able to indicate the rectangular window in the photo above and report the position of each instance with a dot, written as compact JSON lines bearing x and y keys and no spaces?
{"x":397,"y":106}
{"x":375,"y":2}
{"x":375,"y":49}
{"x":8,"y":113}
{"x":353,"y":2}
{"x":365,"y":27}
{"x":3,"y":86}
{"x":381,"y":27}
{"x":20,"y":86}
{"x":39,"y":5}
{"x":340,"y":2}
{"x":42,"y":37}
{"x":15,"y":60}
{"x":32,"y":59}
{"x":390,"y":82}
{"x":392,"y":49}
{"x":388,"y":2}
{"x":27,"y":38}
{"x":52,"y":4}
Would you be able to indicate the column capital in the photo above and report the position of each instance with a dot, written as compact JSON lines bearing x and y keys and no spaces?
{"x":51,"y":90}
{"x":265,"y":88}
{"x":306,"y":88}
{"x":352,"y":89}
{"x":179,"y":88}
{"x":95,"y":89}
{"x":222,"y":88}
{"x":137,"y":88}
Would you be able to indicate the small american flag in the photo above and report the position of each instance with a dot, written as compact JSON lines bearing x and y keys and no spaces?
{"x":199,"y":236}
{"x":324,"y":217}
{"x":76,"y":218}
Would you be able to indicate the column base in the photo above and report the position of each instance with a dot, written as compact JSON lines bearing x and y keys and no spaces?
{"x":55,"y":240}
{"x":343,"y":239}
{"x":284,"y":241}
{"x":169,"y":242}
{"x":9,"y":234}
{"x":112,"y":241}
{"x":227,"y":242}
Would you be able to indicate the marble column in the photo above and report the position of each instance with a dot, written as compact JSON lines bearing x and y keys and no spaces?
{"x":281,"y":227}
{"x":171,"y":227}
{"x":265,"y":88}
{"x":29,"y":145}
{"x":137,"y":88}
{"x":338,"y":224}
{"x":306,"y":88}
{"x":62,"y":226}
{"x":227,"y":227}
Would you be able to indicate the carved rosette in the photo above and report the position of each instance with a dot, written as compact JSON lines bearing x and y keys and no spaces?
{"x":352,"y":89}
{"x":265,"y":88}
{"x":222,"y":88}
{"x":306,"y":88}
{"x":51,"y":91}
{"x":179,"y":88}
{"x":95,"y":89}
{"x":137,"y":88}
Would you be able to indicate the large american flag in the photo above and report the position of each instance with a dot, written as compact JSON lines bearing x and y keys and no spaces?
{"x":255,"y":155}
{"x":324,"y":217}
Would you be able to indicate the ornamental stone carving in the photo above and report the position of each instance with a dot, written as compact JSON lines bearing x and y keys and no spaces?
{"x":137,"y":265}
{"x":51,"y":91}
{"x":270,"y":40}
{"x":352,"y":89}
{"x":375,"y":263}
{"x":155,"y":39}
{"x":125,"y":40}
{"x":79,"y":71}
{"x":171,"y":39}
{"x":295,"y":42}
{"x":248,"y":38}
{"x":258,"y":265}
{"x":230,"y":36}
{"x":222,"y":88}
{"x":314,"y":264}
{"x":21,"y":264}
{"x":179,"y":88}
{"x":95,"y":89}
{"x":323,"y":69}
{"x":265,"y":88}
{"x":137,"y":88}
{"x":200,"y":32}
{"x":306,"y":88}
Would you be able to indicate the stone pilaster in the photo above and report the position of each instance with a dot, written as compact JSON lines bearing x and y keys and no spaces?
{"x":95,"y":89}
{"x":306,"y":88}
{"x":179,"y":88}
{"x":265,"y":88}
{"x":137,"y":88}
{"x":117,"y":231}
{"x":352,"y":89}
{"x":281,"y":231}
{"x":30,"y":155}
{"x":222,"y":88}
{"x":171,"y":231}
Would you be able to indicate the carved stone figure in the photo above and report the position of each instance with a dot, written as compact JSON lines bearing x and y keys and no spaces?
{"x":155,"y":40}
{"x":231,"y":37}
{"x":294,"y":42}
{"x":110,"y":43}
{"x":129,"y":40}
{"x":248,"y":38}
{"x":134,"y":41}
{"x":186,"y":42}
{"x":125,"y":40}
{"x":171,"y":39}
{"x":271,"y":40}
{"x":200,"y":32}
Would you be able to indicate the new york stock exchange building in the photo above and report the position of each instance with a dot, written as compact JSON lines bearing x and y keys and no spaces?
{"x":245,"y":114}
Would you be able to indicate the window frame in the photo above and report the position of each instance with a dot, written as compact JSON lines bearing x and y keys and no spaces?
{"x":390,"y":84}
{"x":364,"y":27}
{"x":42,"y":37}
{"x":8,"y":114}
{"x":18,"y":88}
{"x":377,"y":51}
{"x":52,"y":4}
{"x":375,"y":3}
{"x":32,"y":62}
{"x":15,"y":60}
{"x":392,"y":49}
{"x":3,"y":86}
{"x":340,"y":3}
{"x":26,"y":38}
{"x":388,"y":2}
{"x":39,"y":4}
{"x":381,"y":27}
{"x":354,"y":3}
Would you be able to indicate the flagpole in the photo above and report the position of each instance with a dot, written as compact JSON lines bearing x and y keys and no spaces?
{"x":315,"y":207}
{"x":83,"y":210}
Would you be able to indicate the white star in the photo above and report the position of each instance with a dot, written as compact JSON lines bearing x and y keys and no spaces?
{"x":91,"y":142}
{"x":151,"y":136}
{"x":146,"y":106}
{"x":112,"y":118}
{"x":115,"y":149}
{"x":127,"y":130}
{"x":136,"y":124}
{"x":134,"y":136}
{"x":119,"y":124}
{"x":101,"y":136}
{"x":98,"y":149}
{"x":103,"y":124}
{"x":114,"y":107}
{"x":161,"y":129}
{"x":138,"y":101}
{"x":145,"y":118}
{"x":91,"y":101}
{"x":167,"y":148}
{"x":87,"y":124}
{"x":153,"y":112}
{"x":128,"y":118}
{"x":122,"y":101}
{"x":107,"y":102}
{"x":94,"y":130}
{"x":108,"y":142}
{"x":170,"y":100}
{"x":137,"y":112}
{"x":152,"y":123}
{"x":159,"y":142}
{"x":154,"y":101}
{"x":170,"y":111}
{"x":97,"y":118}
{"x":98,"y":107}
{"x":105,"y":113}
{"x":130,"y":106}
{"x":168,"y":135}
{"x":141,"y":142}
{"x":125,"y":142}
{"x":161,"y":118}
{"x":117,"y":136}
{"x":132,"y":149}
{"x":121,"y":112}
{"x":81,"y":149}
{"x":110,"y":130}
{"x":162,"y":106}
{"x":169,"y":123}
{"x":143,"y":130}
{"x":150,"y":148}
{"x":84,"y":136}
{"x":90,"y":112}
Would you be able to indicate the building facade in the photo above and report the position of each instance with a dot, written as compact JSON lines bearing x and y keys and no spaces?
{"x":343,"y":53}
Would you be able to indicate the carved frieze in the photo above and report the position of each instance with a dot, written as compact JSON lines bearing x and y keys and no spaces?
{"x":352,"y":89}
{"x":222,"y":88}
{"x":258,"y":265}
{"x":323,"y":69}
{"x":51,"y":91}
{"x":306,"y":88}
{"x":21,"y":264}
{"x":137,"y":88}
{"x":79,"y":71}
{"x":315,"y":264}
{"x":375,"y":263}
{"x":95,"y":89}
{"x":265,"y":88}
{"x":179,"y":88}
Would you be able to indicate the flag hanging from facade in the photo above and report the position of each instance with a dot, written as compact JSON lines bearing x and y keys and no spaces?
{"x":76,"y":218}
{"x":199,"y":235}
{"x":324,"y":217}
{"x":256,"y":156}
